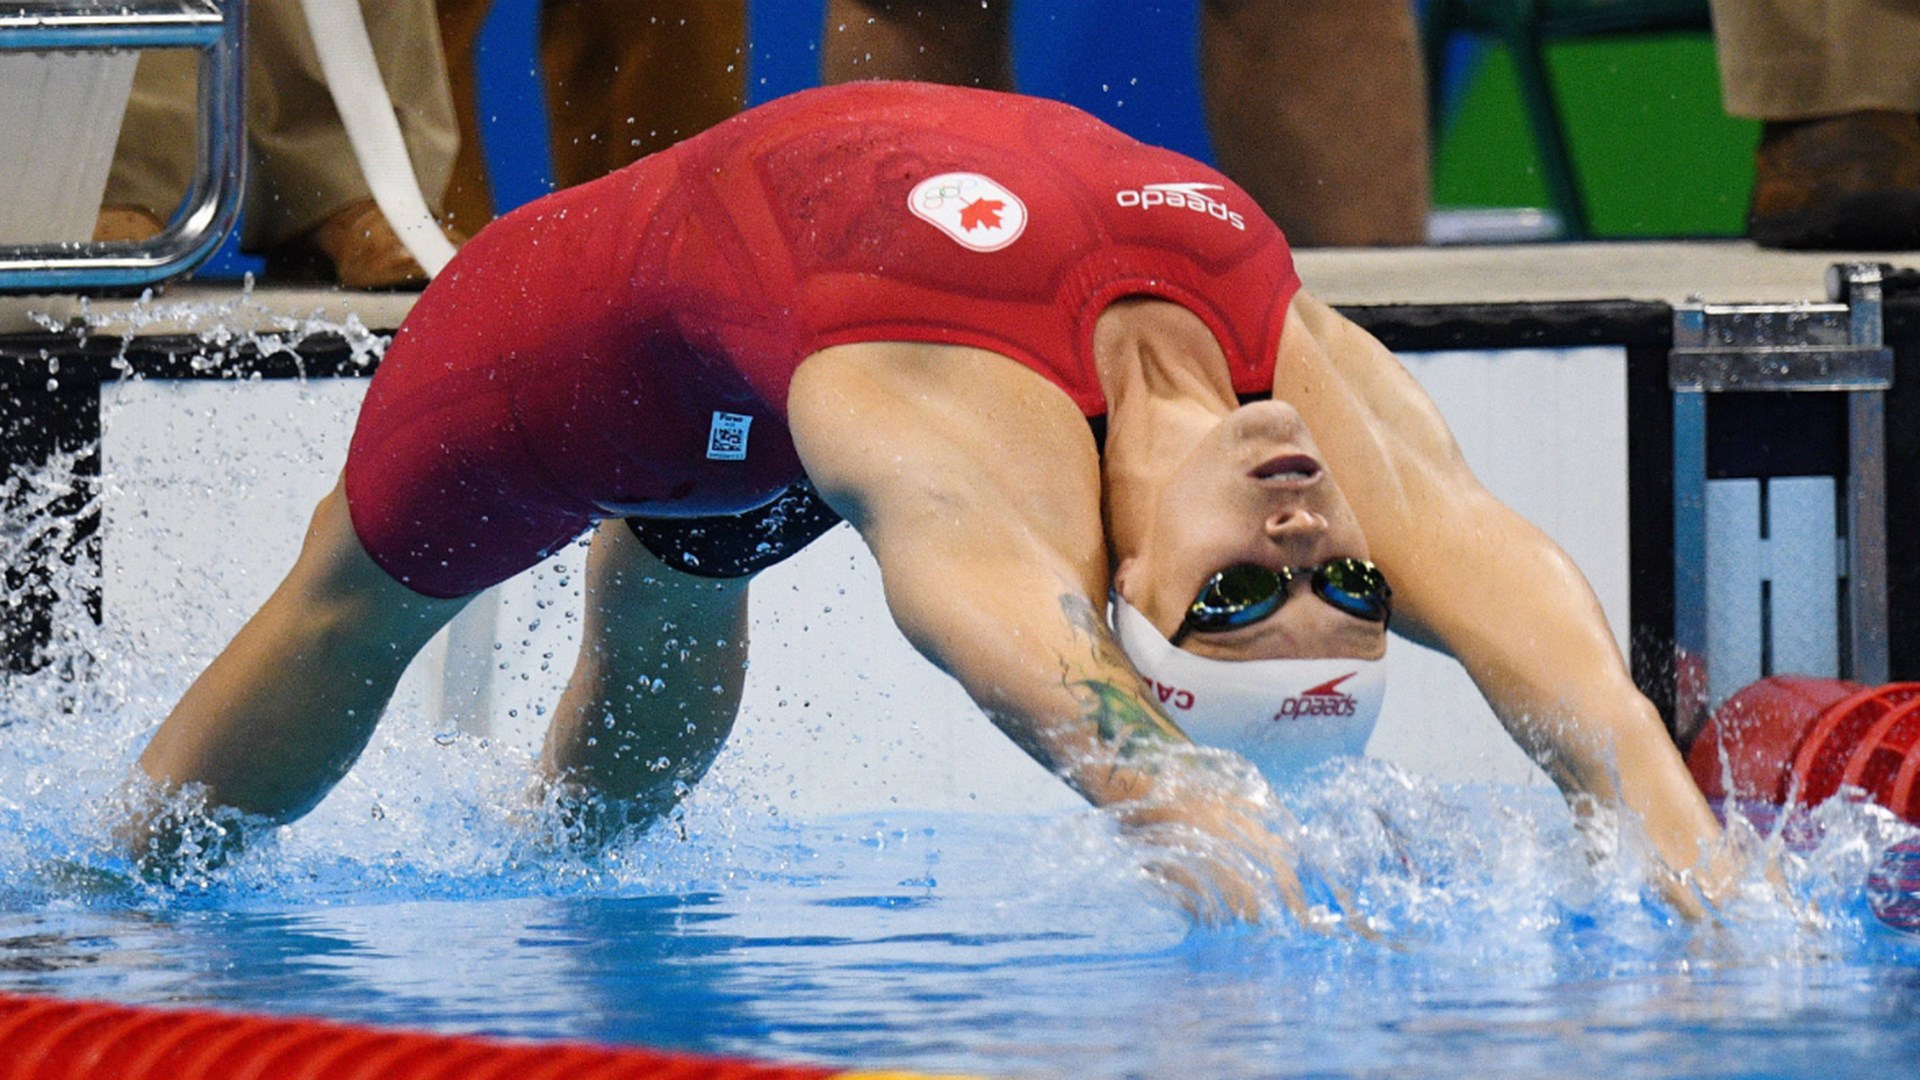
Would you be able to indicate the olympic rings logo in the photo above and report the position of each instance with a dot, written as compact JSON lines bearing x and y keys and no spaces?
{"x":973,"y":210}
{"x":950,"y":188}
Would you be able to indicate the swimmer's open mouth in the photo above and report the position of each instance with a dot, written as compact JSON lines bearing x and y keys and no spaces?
{"x":1289,"y":469}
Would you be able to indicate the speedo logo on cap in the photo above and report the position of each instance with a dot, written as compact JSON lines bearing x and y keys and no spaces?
{"x":1186,"y":196}
{"x":1327,"y":699}
{"x":973,"y":210}
{"x":1323,"y":700}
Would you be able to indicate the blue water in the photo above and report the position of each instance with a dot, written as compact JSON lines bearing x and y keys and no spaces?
{"x":995,"y":944}
{"x":425,"y":893}
{"x":998,"y":945}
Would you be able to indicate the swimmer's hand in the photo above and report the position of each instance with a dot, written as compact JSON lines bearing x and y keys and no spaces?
{"x":176,"y":835}
{"x":1223,"y":845}
{"x":571,"y":815}
{"x":1220,"y":859}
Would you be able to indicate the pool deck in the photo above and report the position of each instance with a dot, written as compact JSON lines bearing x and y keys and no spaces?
{"x":1672,"y":272}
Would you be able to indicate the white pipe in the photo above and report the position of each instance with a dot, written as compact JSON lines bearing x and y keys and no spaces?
{"x":464,"y":648}
{"x":346,"y":58}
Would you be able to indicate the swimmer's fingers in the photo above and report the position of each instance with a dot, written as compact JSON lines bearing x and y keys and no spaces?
{"x":1808,"y":911}
{"x":1221,"y":878}
{"x":1356,"y":922}
{"x":1732,"y":875}
{"x":1214,"y":895}
{"x":175,"y":834}
{"x":1192,"y":891}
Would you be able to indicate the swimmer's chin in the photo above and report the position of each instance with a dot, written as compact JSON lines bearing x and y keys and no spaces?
{"x":1365,"y":641}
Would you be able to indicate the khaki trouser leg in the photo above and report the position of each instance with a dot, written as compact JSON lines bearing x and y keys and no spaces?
{"x":303,"y":168}
{"x":1800,"y":59}
{"x":153,"y":161}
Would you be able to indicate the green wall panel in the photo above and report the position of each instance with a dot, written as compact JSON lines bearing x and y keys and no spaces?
{"x":1656,"y":153}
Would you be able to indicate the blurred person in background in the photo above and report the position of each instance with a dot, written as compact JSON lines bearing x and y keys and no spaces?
{"x":623,"y":79}
{"x":1836,"y":86}
{"x":1316,"y":107}
{"x":307,"y":208}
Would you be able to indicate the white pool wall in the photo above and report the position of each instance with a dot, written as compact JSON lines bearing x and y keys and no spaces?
{"x":209,"y":485}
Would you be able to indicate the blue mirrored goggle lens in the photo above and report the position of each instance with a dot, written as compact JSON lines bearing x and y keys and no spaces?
{"x":1243,"y":595}
{"x":1355,"y":587}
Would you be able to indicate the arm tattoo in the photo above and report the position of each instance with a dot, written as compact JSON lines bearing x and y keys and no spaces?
{"x":1117,"y":707}
{"x":1122,"y":716}
{"x":1082,"y":616}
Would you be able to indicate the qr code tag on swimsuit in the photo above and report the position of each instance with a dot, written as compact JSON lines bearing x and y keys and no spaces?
{"x":727,"y":439}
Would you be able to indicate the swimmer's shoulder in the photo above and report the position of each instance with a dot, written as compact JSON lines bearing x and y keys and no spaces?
{"x":1363,"y":404}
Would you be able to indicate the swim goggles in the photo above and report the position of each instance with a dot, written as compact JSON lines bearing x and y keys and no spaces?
{"x":1244,"y":594}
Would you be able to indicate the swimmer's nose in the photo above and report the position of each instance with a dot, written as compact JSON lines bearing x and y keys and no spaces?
{"x":1295,"y":526}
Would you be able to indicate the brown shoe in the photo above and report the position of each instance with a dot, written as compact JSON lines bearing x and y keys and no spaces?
{"x":126,"y":225}
{"x":356,"y":248}
{"x":1849,"y":182}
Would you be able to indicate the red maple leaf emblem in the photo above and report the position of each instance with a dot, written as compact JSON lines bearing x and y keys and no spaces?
{"x":981,"y":212}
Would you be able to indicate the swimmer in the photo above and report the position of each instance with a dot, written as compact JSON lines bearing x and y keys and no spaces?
{"x":902,"y":304}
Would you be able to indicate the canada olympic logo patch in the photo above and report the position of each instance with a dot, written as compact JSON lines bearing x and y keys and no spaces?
{"x":974,"y":211}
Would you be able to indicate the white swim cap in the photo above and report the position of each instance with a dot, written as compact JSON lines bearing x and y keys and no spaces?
{"x":1285,"y":716}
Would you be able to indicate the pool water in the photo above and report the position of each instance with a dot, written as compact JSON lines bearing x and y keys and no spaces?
{"x":426,"y":893}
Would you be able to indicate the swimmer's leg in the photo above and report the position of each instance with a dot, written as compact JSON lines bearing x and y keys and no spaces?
{"x":653,"y":695}
{"x":279,"y":716}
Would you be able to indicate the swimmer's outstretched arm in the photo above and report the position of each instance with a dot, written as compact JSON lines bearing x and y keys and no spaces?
{"x":977,"y":486}
{"x":654,"y":692}
{"x":282,"y":713}
{"x":1531,"y":634}
{"x":1475,"y":579}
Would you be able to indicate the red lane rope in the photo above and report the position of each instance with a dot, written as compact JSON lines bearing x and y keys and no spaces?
{"x":57,"y":1039}
{"x":1809,"y":736}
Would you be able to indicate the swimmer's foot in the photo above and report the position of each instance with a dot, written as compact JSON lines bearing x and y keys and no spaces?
{"x":356,"y":248}
{"x":1849,"y":182}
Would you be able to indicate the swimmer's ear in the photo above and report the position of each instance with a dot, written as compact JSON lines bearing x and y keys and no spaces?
{"x":1123,"y":576}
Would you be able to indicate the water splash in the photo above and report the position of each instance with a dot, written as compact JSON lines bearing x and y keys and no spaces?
{"x":1477,"y":874}
{"x":225,"y":330}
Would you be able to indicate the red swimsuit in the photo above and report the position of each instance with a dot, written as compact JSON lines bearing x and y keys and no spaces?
{"x":624,"y":347}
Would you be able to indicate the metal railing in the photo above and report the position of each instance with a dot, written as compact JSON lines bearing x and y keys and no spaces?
{"x":1836,"y":347}
{"x":214,"y":27}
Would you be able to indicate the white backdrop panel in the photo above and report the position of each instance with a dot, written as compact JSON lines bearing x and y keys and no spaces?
{"x":210,"y":483}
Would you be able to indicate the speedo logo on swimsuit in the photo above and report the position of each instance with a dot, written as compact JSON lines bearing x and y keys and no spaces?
{"x":974,"y":211}
{"x":1188,"y":196}
{"x":1323,"y":700}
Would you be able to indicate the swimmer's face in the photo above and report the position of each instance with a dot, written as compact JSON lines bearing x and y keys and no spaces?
{"x":1255,"y":490}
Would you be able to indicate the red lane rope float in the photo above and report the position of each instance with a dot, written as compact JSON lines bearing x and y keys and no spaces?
{"x":1746,"y":748}
{"x":56,"y":1039}
{"x":1822,"y":763}
{"x":1809,"y":737}
{"x":1884,"y":763}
